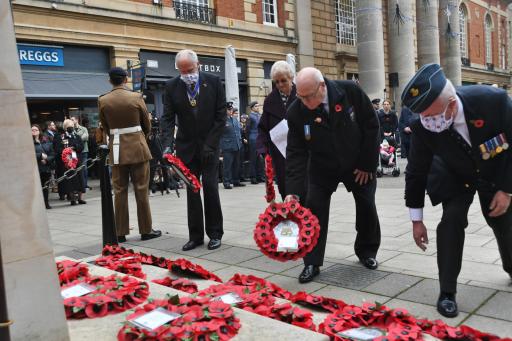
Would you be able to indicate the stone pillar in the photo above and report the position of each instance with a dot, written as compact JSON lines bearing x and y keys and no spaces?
{"x":304,"y":29}
{"x":259,"y":88}
{"x":120,"y":57}
{"x":401,"y":46}
{"x":34,"y":302}
{"x":449,"y":45}
{"x":428,"y":34}
{"x":370,"y":47}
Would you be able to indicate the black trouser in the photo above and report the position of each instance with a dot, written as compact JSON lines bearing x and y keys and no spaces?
{"x":212,"y":208}
{"x":231,"y":167}
{"x":256,"y":161}
{"x":45,"y":177}
{"x":164,"y":184}
{"x":450,"y":237}
{"x":367,"y":221}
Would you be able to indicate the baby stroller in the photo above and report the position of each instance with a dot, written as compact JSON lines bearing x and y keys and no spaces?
{"x":387,"y":159}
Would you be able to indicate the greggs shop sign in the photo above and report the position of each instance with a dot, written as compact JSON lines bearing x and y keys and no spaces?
{"x":40,"y":55}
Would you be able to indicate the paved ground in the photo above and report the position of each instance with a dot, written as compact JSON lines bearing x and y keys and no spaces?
{"x":406,"y":276}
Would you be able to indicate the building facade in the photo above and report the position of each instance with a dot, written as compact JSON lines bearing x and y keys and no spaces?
{"x":67,"y":46}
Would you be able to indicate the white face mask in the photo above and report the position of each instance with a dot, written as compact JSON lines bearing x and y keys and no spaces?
{"x":437,"y":123}
{"x":190,"y":78}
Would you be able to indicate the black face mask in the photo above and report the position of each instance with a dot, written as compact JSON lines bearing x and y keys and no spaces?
{"x":70,"y":130}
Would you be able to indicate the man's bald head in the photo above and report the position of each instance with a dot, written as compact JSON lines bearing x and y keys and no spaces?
{"x":311,"y":87}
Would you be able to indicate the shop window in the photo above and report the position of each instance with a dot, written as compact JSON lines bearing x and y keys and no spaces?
{"x":346,"y":28}
{"x":270,"y":12}
{"x":463,"y":29}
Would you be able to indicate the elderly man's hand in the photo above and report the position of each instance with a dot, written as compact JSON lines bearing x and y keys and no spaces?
{"x":499,"y":204}
{"x":291,"y":197}
{"x":419,"y":233}
{"x":362,"y":177}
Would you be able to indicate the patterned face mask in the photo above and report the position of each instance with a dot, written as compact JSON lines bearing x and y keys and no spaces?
{"x":190,"y":78}
{"x":437,"y":123}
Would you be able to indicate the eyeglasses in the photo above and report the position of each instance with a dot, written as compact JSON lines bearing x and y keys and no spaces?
{"x":310,"y":96}
{"x":279,"y":81}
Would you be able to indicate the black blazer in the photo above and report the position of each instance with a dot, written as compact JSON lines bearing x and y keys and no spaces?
{"x":196,"y":133}
{"x":345,"y":139}
{"x":458,"y":167}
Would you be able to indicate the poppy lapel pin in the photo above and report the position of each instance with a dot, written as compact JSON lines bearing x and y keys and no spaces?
{"x":477,"y":123}
{"x":338,"y":108}
{"x":318,"y":120}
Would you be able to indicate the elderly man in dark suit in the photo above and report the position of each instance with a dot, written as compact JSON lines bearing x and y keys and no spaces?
{"x":334,"y":127}
{"x":459,"y":147}
{"x":197,"y":100}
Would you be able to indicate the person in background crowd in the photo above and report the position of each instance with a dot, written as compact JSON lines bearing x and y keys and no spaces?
{"x":256,"y":162}
{"x":457,"y":150}
{"x":51,"y":130}
{"x":196,"y":102}
{"x":244,"y":150}
{"x":44,"y":156}
{"x":274,"y":112}
{"x":376,"y":104}
{"x":83,"y":133}
{"x":230,"y":144}
{"x":388,"y":122}
{"x":124,"y":116}
{"x":74,"y":187}
{"x":404,"y":123}
{"x":335,"y":130}
{"x":158,"y":175}
{"x":59,"y":165}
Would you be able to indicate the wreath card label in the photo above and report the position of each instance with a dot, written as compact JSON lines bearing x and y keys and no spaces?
{"x":362,"y":334}
{"x":155,"y":319}
{"x":229,"y":298}
{"x":287,"y":234}
{"x":77,"y":290}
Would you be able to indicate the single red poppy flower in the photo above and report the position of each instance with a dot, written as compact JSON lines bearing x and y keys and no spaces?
{"x":338,"y":107}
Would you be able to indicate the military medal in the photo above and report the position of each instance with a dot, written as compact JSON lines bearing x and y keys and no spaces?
{"x":193,"y":94}
{"x":307,"y":132}
{"x":493,"y":147}
{"x":193,"y":102}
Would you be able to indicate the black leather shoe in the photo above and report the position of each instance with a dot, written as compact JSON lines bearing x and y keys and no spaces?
{"x":151,"y":235}
{"x":370,"y":263}
{"x":254,"y":182}
{"x":228,"y":187}
{"x":121,"y":239}
{"x":309,"y":272}
{"x":82,"y":202}
{"x":446,"y":305}
{"x":190,"y":245}
{"x":238,"y":185}
{"x":214,"y":244}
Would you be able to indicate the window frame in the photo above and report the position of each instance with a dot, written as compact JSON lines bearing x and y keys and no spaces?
{"x":463,"y":30}
{"x":275,"y":14}
{"x":346,"y":27}
{"x":488,"y":39}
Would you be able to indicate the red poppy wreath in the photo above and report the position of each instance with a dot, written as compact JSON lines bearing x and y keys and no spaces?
{"x":69,"y":161}
{"x":193,"y":319}
{"x":181,"y":284}
{"x":70,"y":271}
{"x":107,"y":295}
{"x":184,"y":173}
{"x":129,"y":264}
{"x":286,"y":231}
{"x":269,"y":173}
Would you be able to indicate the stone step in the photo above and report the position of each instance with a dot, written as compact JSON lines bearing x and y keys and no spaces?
{"x":254,"y":327}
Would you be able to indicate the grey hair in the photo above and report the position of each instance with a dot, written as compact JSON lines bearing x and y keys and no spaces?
{"x":281,"y":67}
{"x":448,"y":90}
{"x":186,"y":54}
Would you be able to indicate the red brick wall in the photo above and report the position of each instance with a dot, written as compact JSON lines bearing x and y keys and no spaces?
{"x":230,"y":9}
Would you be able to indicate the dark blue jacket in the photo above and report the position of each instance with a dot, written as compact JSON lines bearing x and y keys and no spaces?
{"x":446,"y":166}
{"x":231,"y":139}
{"x":254,"y":120}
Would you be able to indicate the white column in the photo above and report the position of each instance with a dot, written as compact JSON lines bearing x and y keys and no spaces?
{"x":427,"y":26}
{"x":34,"y":302}
{"x":449,"y":44}
{"x":370,"y":47}
{"x":305,"y":54}
{"x":401,"y":45}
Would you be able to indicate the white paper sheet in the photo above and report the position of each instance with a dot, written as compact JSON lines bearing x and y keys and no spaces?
{"x":155,"y":319}
{"x":279,"y":136}
{"x":230,"y":298}
{"x":76,"y":290}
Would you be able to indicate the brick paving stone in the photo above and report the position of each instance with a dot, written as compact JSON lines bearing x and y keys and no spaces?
{"x":269,"y":265}
{"x":497,"y":327}
{"x":292,"y":284}
{"x":499,"y":306}
{"x":392,"y":284}
{"x":233,"y":255}
{"x":350,"y":296}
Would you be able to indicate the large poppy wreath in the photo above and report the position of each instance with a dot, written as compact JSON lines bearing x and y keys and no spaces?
{"x":309,"y":230}
{"x":199,"y":319}
{"x":70,"y":271}
{"x":69,"y":161}
{"x":184,"y":173}
{"x":109,"y":295}
{"x":129,"y":264}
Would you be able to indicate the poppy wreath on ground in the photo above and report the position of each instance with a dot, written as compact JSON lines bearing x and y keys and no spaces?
{"x":329,"y":304}
{"x":182,"y":265}
{"x":181,"y":284}
{"x":252,"y":300}
{"x":269,"y":173}
{"x":184,"y":173}
{"x":70,"y":271}
{"x":255,"y":283}
{"x":129,"y":264}
{"x":292,"y":315}
{"x":397,"y":324}
{"x":200,"y":319}
{"x":160,"y":262}
{"x":442,"y":331}
{"x":112,"y":295}
{"x":69,"y":161}
{"x":309,"y":230}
